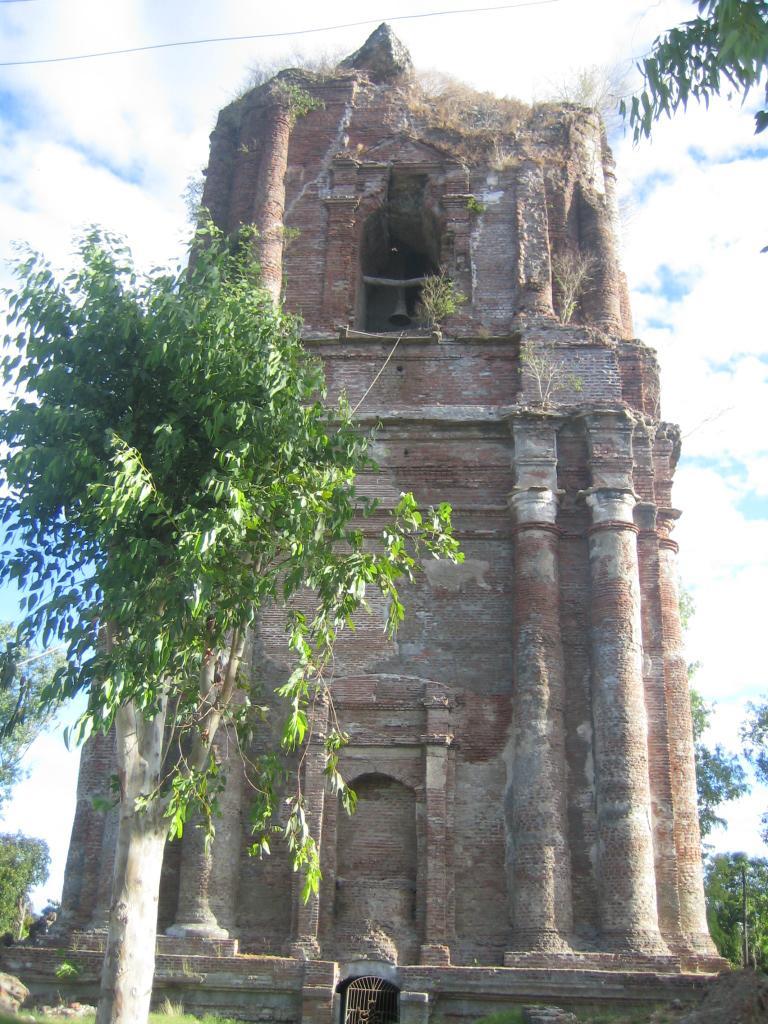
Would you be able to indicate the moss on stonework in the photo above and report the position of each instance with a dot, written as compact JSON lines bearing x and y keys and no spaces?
{"x":513,"y":1016}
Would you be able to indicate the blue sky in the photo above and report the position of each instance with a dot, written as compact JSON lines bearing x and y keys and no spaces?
{"x":114,"y":140}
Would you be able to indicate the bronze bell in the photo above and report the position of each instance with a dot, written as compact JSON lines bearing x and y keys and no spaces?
{"x":399,"y":316}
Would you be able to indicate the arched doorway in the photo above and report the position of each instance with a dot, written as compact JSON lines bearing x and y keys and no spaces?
{"x":370,"y":1001}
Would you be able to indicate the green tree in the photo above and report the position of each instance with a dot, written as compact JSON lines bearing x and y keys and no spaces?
{"x":724,"y":47}
{"x":736,"y":888}
{"x":719,"y":774}
{"x":23,"y":715}
{"x":171,"y":470}
{"x":24,"y":863}
{"x":755,"y":735}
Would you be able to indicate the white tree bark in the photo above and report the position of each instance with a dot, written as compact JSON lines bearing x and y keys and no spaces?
{"x":129,"y":960}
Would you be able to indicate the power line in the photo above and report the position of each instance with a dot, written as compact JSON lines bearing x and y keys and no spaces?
{"x":268,"y":35}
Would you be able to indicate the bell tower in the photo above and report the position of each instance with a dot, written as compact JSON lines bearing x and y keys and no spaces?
{"x":522,"y":751}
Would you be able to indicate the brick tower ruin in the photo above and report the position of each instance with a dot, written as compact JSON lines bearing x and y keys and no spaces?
{"x":522,"y":752}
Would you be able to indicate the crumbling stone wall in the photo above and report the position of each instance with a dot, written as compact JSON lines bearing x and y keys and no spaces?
{"x":523,"y":748}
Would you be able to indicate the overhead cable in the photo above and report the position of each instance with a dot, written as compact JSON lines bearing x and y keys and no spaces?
{"x":270,"y":35}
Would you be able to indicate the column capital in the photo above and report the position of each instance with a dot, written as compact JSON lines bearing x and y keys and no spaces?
{"x":666,"y":519}
{"x":437,"y":701}
{"x":535,"y":454}
{"x":437,"y":739}
{"x":645,"y":516}
{"x":609,"y":440}
{"x":612,"y":506}
{"x":533,"y":506}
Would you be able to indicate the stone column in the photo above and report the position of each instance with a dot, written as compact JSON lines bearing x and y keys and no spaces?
{"x":437,"y":741}
{"x":534,"y":273}
{"x":85,"y":859}
{"x":687,"y":837}
{"x":270,"y":194}
{"x":625,"y":858}
{"x":103,"y":904}
{"x":665,"y":859}
{"x":208,"y":876}
{"x":227,"y":848}
{"x":539,"y":881}
{"x":306,"y":915}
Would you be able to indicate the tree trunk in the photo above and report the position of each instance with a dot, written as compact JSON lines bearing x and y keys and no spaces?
{"x":21,"y":917}
{"x":129,"y":960}
{"x":744,"y":926}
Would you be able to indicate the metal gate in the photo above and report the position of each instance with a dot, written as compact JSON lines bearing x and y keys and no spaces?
{"x":370,"y":1001}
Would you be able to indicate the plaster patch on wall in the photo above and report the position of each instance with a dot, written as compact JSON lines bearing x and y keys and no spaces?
{"x":446,"y":575}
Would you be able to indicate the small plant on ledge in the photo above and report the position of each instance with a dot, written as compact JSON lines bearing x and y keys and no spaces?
{"x":475,"y":206}
{"x":548,"y":374}
{"x":439,"y":299}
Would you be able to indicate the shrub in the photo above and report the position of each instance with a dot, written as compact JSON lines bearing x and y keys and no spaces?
{"x":439,"y":299}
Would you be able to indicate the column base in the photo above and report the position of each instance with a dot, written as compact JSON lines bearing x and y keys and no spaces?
{"x":697,"y":951}
{"x":538,"y":940}
{"x":197,"y":929}
{"x":435,"y":954}
{"x":645,"y":942}
{"x":701,"y":943}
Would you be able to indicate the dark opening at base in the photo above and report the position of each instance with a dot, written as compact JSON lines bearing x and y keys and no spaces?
{"x":370,"y":1001}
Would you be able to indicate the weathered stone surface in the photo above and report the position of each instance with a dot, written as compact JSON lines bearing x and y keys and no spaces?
{"x":13,"y":993}
{"x":548,"y":1015}
{"x":522,"y":751}
{"x":382,"y":55}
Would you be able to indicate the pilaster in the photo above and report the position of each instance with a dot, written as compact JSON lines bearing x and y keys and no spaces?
{"x":456,"y":251}
{"x":437,"y":741}
{"x":341,"y":270}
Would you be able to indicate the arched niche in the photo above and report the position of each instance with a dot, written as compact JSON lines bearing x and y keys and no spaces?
{"x":400,"y":246}
{"x":377,"y":861}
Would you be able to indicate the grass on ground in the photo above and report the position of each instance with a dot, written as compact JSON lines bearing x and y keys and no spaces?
{"x":170,"y":1014}
{"x":514,"y":1016}
{"x":624,"y":1015}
